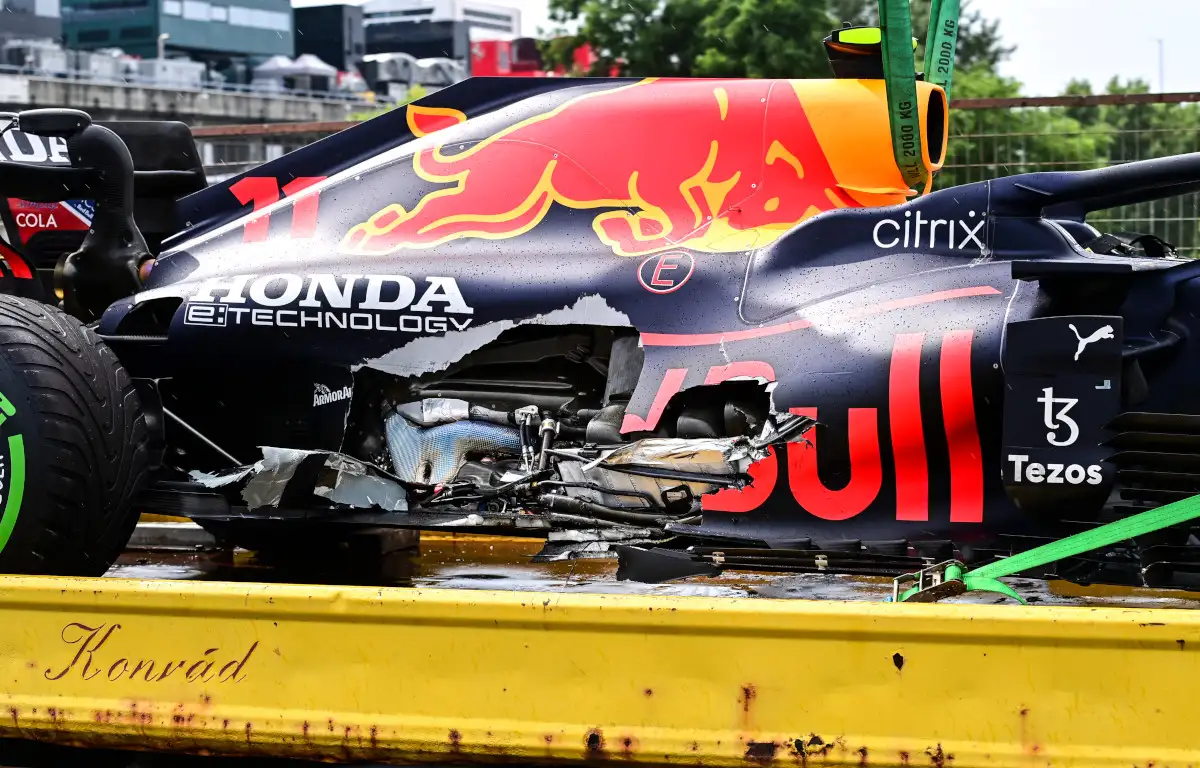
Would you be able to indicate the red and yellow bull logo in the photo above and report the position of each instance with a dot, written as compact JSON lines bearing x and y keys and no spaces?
{"x":707,"y":165}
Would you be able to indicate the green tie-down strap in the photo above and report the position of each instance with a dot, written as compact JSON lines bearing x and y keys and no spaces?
{"x":941,"y":44}
{"x":900,"y":79}
{"x":956,"y":579}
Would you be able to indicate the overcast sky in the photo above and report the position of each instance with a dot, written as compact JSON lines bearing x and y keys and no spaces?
{"x":1060,"y":39}
{"x":1097,"y":39}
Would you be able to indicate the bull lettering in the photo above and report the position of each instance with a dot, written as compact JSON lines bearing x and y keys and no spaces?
{"x":907,"y":435}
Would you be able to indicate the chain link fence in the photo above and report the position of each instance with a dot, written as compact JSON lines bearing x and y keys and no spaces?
{"x":1002,"y":137}
{"x":989,"y":138}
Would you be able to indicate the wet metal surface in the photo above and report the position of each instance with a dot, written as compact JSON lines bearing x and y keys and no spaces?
{"x":352,"y":674}
{"x":469,"y":562}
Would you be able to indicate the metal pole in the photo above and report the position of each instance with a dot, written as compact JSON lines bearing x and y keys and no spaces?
{"x":202,"y":438}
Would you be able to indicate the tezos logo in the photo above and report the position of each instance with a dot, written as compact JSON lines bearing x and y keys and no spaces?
{"x":952,"y":234}
{"x":322,"y":395}
{"x":1056,"y":420}
{"x":1026,"y":471}
{"x":1054,"y":416}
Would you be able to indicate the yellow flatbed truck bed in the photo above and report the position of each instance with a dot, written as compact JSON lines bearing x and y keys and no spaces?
{"x":558,"y":662}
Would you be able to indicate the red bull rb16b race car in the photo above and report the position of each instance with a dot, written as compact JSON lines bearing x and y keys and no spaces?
{"x":696,"y":323}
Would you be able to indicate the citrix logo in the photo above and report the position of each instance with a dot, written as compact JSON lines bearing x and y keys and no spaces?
{"x":958,"y":233}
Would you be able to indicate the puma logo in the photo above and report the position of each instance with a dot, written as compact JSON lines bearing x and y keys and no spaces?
{"x":1105,"y":332}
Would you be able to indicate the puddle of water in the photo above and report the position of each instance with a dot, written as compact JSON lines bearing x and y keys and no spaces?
{"x":443,"y":562}
{"x":467,"y":562}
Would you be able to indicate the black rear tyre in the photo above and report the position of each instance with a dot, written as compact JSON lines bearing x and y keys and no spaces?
{"x":74,"y":445}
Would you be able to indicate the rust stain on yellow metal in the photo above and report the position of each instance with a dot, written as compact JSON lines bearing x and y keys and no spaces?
{"x":426,"y":536}
{"x":149,"y":517}
{"x":402,"y":674}
{"x":1095,"y":591}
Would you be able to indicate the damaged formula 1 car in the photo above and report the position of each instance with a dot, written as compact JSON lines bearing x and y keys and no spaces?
{"x":697,"y":321}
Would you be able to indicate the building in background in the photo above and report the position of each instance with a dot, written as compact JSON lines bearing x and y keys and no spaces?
{"x":220,"y":33}
{"x":436,"y":28}
{"x":332,"y":33}
{"x":523,"y":58}
{"x":506,"y":58}
{"x":30,"y":20}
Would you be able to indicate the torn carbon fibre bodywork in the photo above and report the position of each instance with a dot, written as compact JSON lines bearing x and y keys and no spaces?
{"x":536,"y":482}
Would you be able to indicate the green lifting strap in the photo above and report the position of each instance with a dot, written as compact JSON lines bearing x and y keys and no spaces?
{"x":942,"y":43}
{"x":987,"y":578}
{"x":900,"y":79}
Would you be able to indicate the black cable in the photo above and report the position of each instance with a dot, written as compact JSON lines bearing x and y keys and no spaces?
{"x":591,"y":509}
{"x":597,"y":487}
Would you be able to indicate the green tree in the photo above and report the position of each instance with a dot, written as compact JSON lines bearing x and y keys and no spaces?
{"x":1140,"y":132}
{"x":642,"y":36}
{"x":1149,"y":130}
{"x":734,"y":38}
{"x":1085,"y":115}
{"x":764,"y":38}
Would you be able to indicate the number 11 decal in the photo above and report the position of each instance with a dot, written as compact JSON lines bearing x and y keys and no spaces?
{"x":264,"y":191}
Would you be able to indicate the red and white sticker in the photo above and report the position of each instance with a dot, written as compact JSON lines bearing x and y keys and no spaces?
{"x":666,"y":272}
{"x":32,"y":218}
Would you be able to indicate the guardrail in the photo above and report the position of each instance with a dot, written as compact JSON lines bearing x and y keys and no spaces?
{"x":142,"y":81}
{"x":270,"y":129}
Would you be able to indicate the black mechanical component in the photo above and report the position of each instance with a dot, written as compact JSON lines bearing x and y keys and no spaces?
{"x":548,"y":429}
{"x":558,"y":376}
{"x":855,"y":53}
{"x":59,"y":123}
{"x":105,"y":267}
{"x":43,"y":184}
{"x":134,"y":209}
{"x":624,"y":368}
{"x":588,"y":509}
{"x":525,"y":367}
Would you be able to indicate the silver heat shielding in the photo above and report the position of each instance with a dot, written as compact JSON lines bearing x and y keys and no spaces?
{"x":433,"y":455}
